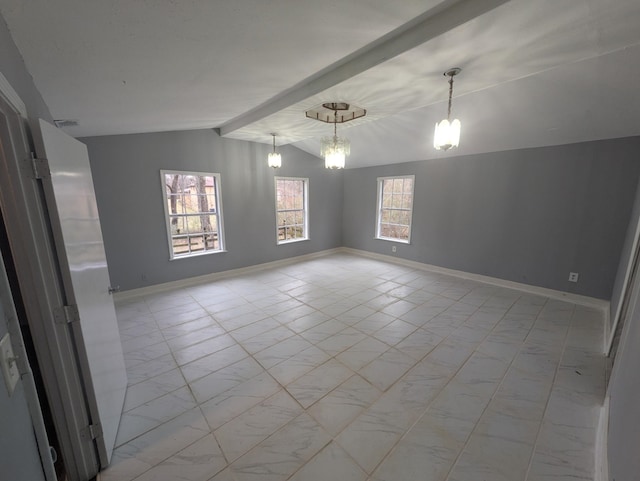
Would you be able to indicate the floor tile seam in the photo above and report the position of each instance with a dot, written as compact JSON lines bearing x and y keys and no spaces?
{"x":239,"y":360}
{"x":331,"y":440}
{"x":276,"y":432}
{"x":213,"y":431}
{"x":129,"y":351}
{"x":153,"y":399}
{"x":147,"y":378}
{"x":486,"y":407}
{"x":128,"y":364}
{"x":147,"y":431}
{"x":313,"y":369}
{"x":209,"y":354}
{"x":162,"y":329}
{"x":424,"y":411}
{"x":408,"y":430}
{"x":546,"y":406}
{"x":155,"y":465}
{"x":173,"y":353}
{"x":523,"y":342}
{"x":147,"y":300}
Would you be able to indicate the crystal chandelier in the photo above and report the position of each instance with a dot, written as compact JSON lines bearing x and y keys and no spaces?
{"x":274,"y":159}
{"x":335,"y":149}
{"x":447,"y":133}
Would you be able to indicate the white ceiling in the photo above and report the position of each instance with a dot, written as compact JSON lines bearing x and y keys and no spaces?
{"x":535,"y":73}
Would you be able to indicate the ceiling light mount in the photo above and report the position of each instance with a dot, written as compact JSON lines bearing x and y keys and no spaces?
{"x":335,"y":112}
{"x":447,"y":133}
{"x":335,"y":149}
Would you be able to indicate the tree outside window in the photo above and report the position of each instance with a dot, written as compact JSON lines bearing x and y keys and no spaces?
{"x":193,"y":212}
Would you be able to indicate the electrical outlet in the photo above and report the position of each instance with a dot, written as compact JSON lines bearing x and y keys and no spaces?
{"x":8,"y":364}
{"x":573,"y":277}
{"x":393,"y":248}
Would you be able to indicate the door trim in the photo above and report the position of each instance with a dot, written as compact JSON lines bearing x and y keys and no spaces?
{"x":39,"y":278}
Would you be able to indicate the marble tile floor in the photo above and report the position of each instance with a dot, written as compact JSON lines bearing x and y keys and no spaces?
{"x":352,"y":369}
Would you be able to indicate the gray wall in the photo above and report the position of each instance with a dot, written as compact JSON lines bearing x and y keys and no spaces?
{"x":126,"y":175}
{"x":624,"y":391}
{"x":529,"y":216}
{"x":19,"y":458}
{"x":13,"y":68}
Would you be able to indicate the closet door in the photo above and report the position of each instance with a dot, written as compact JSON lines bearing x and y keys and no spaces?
{"x":71,"y":205}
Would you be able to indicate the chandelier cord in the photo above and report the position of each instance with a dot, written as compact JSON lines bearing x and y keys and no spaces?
{"x":450,"y":95}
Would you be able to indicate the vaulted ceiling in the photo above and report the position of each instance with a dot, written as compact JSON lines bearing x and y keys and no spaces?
{"x":534,"y":73}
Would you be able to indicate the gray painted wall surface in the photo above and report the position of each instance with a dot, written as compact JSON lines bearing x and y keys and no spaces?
{"x":13,"y":68}
{"x":625,"y":258}
{"x":529,"y":216}
{"x":19,"y":459}
{"x":624,"y":408}
{"x":126,"y":174}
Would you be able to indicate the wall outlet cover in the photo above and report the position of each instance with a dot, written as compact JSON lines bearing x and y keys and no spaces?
{"x":573,"y":277}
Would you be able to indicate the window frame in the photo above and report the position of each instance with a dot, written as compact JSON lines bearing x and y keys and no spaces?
{"x":218,"y":213}
{"x":379,"y":208}
{"x":305,"y":209}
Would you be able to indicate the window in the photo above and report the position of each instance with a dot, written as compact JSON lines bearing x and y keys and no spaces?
{"x":395,"y":205}
{"x":193,"y":212}
{"x":292,"y":209}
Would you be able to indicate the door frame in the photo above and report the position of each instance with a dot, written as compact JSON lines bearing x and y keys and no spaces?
{"x":39,"y":277}
{"x":625,"y":295}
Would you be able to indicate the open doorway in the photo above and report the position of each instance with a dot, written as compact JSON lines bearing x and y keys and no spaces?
{"x":27,"y":338}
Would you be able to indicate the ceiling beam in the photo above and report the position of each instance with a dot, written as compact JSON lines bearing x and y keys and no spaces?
{"x":434,"y":22}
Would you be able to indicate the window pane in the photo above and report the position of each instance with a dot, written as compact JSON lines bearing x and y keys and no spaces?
{"x":177,"y":225}
{"x":290,"y":208}
{"x":195,"y":195}
{"x":396,"y":201}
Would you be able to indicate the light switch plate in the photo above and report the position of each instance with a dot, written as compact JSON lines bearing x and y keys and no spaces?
{"x":8,"y":364}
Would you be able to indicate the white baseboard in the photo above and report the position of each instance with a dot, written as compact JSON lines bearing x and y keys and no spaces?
{"x":192,"y":281}
{"x":601,"y":457}
{"x":541,"y":291}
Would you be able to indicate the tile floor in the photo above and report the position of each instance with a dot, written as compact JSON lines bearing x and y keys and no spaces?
{"x":351,"y":369}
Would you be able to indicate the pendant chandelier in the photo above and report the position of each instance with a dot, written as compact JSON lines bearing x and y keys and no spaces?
{"x":274,"y":159}
{"x":447,"y":133}
{"x":335,"y":149}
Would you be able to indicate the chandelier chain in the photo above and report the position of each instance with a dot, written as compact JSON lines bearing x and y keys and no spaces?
{"x":450,"y":96}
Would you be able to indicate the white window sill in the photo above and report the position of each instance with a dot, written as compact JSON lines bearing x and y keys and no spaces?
{"x":199,"y":254}
{"x":390,"y":239}
{"x":292,"y":241}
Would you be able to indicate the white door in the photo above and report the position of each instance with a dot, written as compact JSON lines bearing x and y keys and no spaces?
{"x":71,"y":203}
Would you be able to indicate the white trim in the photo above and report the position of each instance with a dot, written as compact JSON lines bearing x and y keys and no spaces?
{"x":12,"y":96}
{"x":601,"y":455}
{"x":625,"y":287}
{"x":541,"y":291}
{"x":305,"y":209}
{"x":192,"y":281}
{"x":219,"y":215}
{"x":380,"y":184}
